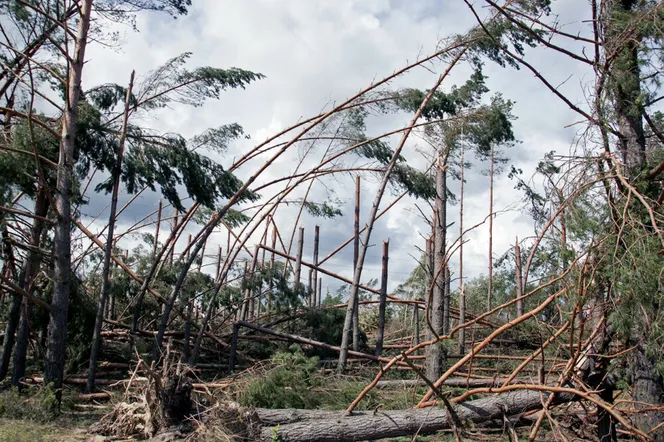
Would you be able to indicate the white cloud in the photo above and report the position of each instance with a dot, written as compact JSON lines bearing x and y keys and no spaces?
{"x":315,"y":53}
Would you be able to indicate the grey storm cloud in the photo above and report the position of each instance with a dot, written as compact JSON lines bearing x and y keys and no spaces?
{"x":315,"y":54}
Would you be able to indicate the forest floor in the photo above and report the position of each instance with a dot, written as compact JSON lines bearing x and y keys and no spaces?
{"x":61,"y":430}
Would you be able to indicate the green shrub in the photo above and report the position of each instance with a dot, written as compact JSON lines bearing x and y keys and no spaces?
{"x":286,"y":385}
{"x":40,"y":405}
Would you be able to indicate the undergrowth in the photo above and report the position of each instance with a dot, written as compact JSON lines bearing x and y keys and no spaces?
{"x":293,"y":380}
{"x":37,"y":404}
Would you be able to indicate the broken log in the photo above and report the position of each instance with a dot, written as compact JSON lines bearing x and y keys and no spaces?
{"x":451,"y":382}
{"x":328,"y":426}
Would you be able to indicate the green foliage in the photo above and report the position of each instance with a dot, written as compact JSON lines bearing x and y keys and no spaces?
{"x":172,"y":83}
{"x":322,"y":210}
{"x":500,"y":32}
{"x":168,"y":162}
{"x":39,"y":405}
{"x":323,"y":325}
{"x":217,"y":139}
{"x":284,"y":295}
{"x":161,"y":160}
{"x":293,"y":381}
{"x":286,"y":385}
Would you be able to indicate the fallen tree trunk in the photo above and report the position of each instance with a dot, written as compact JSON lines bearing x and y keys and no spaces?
{"x":452,"y":382}
{"x":328,"y":426}
{"x":311,"y":342}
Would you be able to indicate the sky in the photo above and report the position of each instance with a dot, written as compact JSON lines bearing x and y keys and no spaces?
{"x":318,"y":52}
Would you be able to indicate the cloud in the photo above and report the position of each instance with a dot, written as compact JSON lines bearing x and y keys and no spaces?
{"x":316,"y":53}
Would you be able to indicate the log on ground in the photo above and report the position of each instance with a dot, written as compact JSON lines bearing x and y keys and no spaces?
{"x":327,"y":426}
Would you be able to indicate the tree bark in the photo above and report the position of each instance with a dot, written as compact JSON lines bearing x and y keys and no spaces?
{"x":298,"y":260}
{"x":462,"y":294}
{"x":329,"y":426}
{"x":647,"y":392}
{"x":10,"y":333}
{"x":435,"y":354}
{"x":30,"y":268}
{"x":623,"y":40}
{"x":106,"y":271}
{"x":57,"y":330}
{"x":356,"y":254}
{"x":519,"y":279}
{"x":383,"y":299}
{"x":489,"y":296}
{"x":316,"y":294}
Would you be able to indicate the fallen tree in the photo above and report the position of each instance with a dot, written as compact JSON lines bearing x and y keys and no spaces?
{"x":451,"y":382}
{"x":291,"y":425}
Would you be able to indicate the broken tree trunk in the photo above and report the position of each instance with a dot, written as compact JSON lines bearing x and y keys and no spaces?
{"x":356,"y":253}
{"x":327,"y":426}
{"x":383,"y":298}
{"x":460,"y":382}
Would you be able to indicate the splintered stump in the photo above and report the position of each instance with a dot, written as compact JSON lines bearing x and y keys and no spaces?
{"x":328,"y":426}
{"x":175,"y":400}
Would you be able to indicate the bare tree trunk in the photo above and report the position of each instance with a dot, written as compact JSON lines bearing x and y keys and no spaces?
{"x":316,"y":294}
{"x":310,"y":289}
{"x":356,"y":251}
{"x":298,"y":260}
{"x":416,"y":325}
{"x":383,"y":299}
{"x":218,"y":271}
{"x":435,"y":354}
{"x":519,"y":278}
{"x":54,"y":363}
{"x":352,"y":301}
{"x":187,"y":328}
{"x":251,"y":293}
{"x":270,"y":293}
{"x":173,"y":230}
{"x":200,"y":264}
{"x":30,"y":269}
{"x":489,"y":295}
{"x":10,"y":333}
{"x":106,"y":280}
{"x":156,"y":234}
{"x":446,"y":301}
{"x":245,"y":300}
{"x":462,"y":293}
